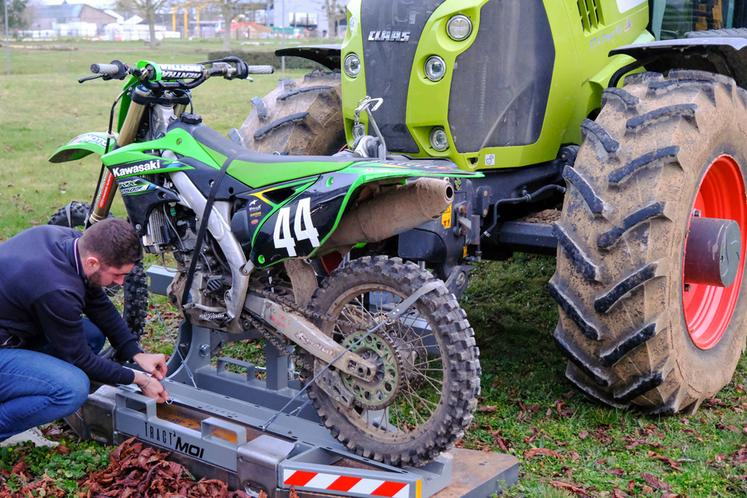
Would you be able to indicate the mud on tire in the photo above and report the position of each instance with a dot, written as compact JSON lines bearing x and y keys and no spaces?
{"x":619,"y":280}
{"x":453,"y":347}
{"x":135,"y":287}
{"x":301,"y":117}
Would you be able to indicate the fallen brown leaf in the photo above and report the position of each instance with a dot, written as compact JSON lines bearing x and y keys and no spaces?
{"x":740,"y":456}
{"x":533,"y":452}
{"x":487,"y":409}
{"x":500,"y":441}
{"x":573,"y":488}
{"x":655,"y":482}
{"x":672,"y":463}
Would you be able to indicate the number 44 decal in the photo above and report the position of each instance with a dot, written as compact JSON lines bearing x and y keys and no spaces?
{"x":303,"y":227}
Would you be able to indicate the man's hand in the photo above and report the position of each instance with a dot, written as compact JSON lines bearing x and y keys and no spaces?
{"x":154,"y":364}
{"x":151,"y":387}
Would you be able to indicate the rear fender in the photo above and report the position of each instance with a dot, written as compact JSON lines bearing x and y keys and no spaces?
{"x":81,"y":146}
{"x":727,"y":56}
{"x":317,"y":206}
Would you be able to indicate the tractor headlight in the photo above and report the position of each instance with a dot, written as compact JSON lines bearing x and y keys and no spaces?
{"x":439,"y":140}
{"x":435,"y":68}
{"x":459,"y":27}
{"x":352,"y":65}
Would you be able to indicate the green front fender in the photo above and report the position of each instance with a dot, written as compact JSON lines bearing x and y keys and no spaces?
{"x":80,"y":147}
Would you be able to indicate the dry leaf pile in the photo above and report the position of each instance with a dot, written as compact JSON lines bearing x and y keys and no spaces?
{"x":138,"y":471}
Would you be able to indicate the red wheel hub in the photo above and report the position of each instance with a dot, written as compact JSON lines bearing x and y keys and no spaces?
{"x":708,"y":308}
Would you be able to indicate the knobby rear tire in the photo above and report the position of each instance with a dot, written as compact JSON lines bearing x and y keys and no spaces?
{"x":456,"y":350}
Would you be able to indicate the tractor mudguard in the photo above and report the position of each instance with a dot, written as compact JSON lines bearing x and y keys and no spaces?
{"x":326,"y":55}
{"x":722,"y":55}
{"x":81,"y":146}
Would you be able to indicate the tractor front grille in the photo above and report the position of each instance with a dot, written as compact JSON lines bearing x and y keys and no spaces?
{"x":389,"y":58}
{"x":501,"y":84}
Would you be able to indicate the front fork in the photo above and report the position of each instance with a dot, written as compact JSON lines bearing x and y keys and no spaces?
{"x":107,"y":187}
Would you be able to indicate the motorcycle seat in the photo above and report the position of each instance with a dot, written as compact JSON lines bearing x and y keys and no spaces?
{"x":246,"y":164}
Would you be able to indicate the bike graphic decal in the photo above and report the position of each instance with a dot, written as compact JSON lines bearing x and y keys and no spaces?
{"x":303,"y":227}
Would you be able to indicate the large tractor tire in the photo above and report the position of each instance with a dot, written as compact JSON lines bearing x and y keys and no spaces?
{"x":135,"y":288}
{"x":302,"y":117}
{"x":639,"y":329}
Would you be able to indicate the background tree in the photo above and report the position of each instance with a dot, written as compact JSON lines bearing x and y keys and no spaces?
{"x":229,"y":9}
{"x":335,"y":11}
{"x":147,"y":9}
{"x":16,"y":15}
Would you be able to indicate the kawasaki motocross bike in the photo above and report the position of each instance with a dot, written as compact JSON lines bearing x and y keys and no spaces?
{"x":263,"y":242}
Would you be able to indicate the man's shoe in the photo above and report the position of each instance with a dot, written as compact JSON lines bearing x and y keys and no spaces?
{"x":34,"y":435}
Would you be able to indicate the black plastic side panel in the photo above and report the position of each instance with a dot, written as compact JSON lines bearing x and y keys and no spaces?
{"x":389,"y":62}
{"x":324,"y":198}
{"x":141,"y":197}
{"x":501,"y":84}
{"x":326,"y":55}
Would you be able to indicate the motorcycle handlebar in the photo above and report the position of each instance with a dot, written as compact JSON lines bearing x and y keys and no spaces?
{"x":114,"y":70}
{"x":229,"y":67}
{"x":108,"y":69}
{"x":261,"y":69}
{"x":182,"y":71}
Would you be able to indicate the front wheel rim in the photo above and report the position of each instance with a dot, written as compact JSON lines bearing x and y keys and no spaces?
{"x":708,"y":309}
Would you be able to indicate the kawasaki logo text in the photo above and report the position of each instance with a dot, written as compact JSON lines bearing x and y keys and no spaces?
{"x":136,"y":168}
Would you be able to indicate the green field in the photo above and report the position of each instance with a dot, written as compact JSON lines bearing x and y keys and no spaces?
{"x":567,"y":445}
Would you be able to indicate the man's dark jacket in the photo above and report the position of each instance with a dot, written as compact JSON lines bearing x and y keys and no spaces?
{"x":44,"y":292}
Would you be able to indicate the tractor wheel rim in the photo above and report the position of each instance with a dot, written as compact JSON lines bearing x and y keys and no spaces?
{"x":708,"y":309}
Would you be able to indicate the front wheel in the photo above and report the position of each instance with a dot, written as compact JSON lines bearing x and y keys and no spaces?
{"x":657,"y":190}
{"x":428,"y":379}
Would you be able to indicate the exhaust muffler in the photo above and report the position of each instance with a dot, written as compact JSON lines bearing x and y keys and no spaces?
{"x":393,"y":212}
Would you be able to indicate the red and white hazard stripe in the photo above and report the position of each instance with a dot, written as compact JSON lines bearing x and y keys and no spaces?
{"x":345,"y":484}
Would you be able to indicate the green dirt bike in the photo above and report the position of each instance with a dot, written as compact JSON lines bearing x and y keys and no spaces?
{"x":262,"y":242}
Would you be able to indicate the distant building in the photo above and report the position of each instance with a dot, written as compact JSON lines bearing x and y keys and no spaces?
{"x":296,"y":15}
{"x":80,"y":20}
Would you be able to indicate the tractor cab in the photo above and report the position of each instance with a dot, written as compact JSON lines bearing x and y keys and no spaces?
{"x":671,"y":19}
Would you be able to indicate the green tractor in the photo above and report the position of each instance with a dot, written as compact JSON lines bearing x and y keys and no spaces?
{"x":610,"y":132}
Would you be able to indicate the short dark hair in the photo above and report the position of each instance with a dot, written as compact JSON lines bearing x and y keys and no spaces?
{"x":113,"y":241}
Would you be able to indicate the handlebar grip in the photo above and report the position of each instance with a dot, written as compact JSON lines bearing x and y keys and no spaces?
{"x":105,"y":69}
{"x":261,"y":69}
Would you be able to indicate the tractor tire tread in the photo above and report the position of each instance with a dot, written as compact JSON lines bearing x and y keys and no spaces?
{"x":625,"y":216}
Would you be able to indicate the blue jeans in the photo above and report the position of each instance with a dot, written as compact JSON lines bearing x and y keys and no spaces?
{"x":36,"y":388}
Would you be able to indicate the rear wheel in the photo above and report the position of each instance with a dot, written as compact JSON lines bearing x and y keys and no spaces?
{"x":638,"y":321}
{"x":428,"y":380}
{"x":302,"y":117}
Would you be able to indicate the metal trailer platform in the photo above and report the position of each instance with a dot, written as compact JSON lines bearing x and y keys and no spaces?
{"x":218,"y":427}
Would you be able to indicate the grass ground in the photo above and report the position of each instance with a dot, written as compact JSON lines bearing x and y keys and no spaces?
{"x":566,"y":445}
